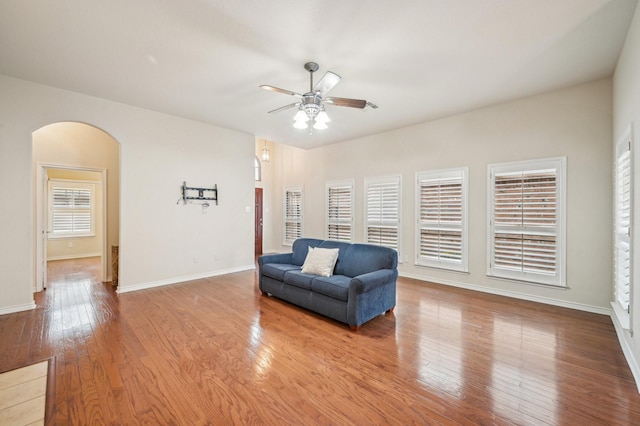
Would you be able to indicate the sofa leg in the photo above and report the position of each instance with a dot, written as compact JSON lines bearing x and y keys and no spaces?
{"x":390,"y":310}
{"x":355,"y":327}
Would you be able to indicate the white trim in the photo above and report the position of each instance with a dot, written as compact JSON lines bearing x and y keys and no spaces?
{"x":515,"y":294}
{"x":626,"y":350}
{"x":40,"y":226}
{"x":463,"y":174}
{"x":18,"y":308}
{"x":391,"y":179}
{"x":177,"y":280}
{"x":624,"y":317}
{"x":560,"y":165}
{"x":284,"y":212}
{"x":333,"y":184}
{"x":74,"y":256}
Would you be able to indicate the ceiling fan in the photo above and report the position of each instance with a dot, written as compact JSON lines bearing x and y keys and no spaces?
{"x":311,"y":104}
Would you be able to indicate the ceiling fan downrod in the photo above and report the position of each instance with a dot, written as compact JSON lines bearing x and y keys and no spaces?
{"x":311,"y":67}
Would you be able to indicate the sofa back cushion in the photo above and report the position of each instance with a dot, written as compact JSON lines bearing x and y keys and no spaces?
{"x":342,"y":249}
{"x":301,"y":248}
{"x":360,"y":259}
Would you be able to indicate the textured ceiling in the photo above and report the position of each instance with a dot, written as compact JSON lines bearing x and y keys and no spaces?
{"x":418,"y":60}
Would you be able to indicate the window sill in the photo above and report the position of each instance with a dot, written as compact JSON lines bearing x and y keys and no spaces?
{"x":622,"y":316}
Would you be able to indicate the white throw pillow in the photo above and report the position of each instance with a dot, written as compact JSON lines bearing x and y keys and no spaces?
{"x":320,"y":261}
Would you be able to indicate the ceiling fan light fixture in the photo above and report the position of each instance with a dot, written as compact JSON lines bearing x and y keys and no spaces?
{"x":300,"y":124}
{"x":301,"y":116}
{"x":322,"y":117}
{"x":320,"y":125}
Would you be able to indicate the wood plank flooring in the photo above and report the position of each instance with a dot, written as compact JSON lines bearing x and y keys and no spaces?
{"x":214,"y":351}
{"x":22,"y":395}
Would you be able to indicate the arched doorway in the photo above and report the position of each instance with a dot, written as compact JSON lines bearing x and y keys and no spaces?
{"x":71,"y":152}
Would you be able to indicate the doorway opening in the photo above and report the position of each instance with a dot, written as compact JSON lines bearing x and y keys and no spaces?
{"x":76,"y":196}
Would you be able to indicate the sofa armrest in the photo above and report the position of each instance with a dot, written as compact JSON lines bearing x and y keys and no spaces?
{"x":372,"y":280}
{"x":286,"y":258}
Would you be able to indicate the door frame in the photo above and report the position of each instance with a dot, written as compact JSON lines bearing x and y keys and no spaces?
{"x":259,"y":225}
{"x":42,"y":220}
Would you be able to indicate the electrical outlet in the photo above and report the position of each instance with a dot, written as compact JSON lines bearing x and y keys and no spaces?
{"x":70,"y":244}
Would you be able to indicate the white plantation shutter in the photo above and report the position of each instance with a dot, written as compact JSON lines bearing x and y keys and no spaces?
{"x":292,"y":215}
{"x":623,"y":205}
{"x":340,"y":211}
{"x":442,"y":216}
{"x":526,"y":221}
{"x":383,"y":211}
{"x":71,"y":209}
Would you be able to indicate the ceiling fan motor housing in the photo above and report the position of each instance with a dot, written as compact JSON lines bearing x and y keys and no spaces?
{"x":312,"y":104}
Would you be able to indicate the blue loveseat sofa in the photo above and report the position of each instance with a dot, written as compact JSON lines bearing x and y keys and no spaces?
{"x":363,"y":284}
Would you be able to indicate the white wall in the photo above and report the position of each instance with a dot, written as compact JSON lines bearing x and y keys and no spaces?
{"x":160,"y":241}
{"x":574,"y":122}
{"x":626,"y":112}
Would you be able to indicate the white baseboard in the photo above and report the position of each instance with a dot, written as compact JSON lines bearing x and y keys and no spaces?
{"x":144,"y":286}
{"x":18,"y":308}
{"x":626,"y":349}
{"x":515,"y":295}
{"x":74,"y":256}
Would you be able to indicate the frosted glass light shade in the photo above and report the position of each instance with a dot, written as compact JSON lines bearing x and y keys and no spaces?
{"x":300,"y":124}
{"x":322,"y":117}
{"x":301,"y":116}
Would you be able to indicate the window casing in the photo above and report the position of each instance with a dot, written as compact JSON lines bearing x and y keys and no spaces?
{"x":527,"y":221}
{"x":340,"y":211}
{"x":441,"y":202}
{"x":293,"y":214}
{"x":71,"y":209}
{"x":382,"y":209}
{"x":623,"y":214}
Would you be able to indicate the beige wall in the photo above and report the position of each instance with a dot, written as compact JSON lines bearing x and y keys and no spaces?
{"x":626,"y":112}
{"x":574,"y":122}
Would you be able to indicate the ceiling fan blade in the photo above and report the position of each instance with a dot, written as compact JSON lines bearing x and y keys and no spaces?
{"x":346,"y":102}
{"x":285,"y":107}
{"x":278,"y":90}
{"x":327,"y":82}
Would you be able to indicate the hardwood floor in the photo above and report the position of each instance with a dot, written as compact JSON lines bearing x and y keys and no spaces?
{"x":214,"y":351}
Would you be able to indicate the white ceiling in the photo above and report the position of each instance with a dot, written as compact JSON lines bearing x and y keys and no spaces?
{"x":417,"y":59}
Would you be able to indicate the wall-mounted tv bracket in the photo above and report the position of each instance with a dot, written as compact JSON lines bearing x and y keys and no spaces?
{"x":199,"y":194}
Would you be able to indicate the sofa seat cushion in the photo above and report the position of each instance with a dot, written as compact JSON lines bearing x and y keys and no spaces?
{"x":336,"y":286}
{"x":277,"y":270}
{"x":299,"y":279}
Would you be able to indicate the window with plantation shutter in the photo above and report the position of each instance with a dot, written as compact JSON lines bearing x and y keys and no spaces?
{"x":292,"y":215}
{"x":441,"y":202}
{"x":527,"y":221}
{"x":71,"y":209}
{"x":622,"y":226}
{"x":340,"y":211}
{"x":382,"y":207}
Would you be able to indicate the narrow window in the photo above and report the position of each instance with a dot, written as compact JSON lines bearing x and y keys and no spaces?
{"x":292,"y":215}
{"x":71,"y":207}
{"x":340,"y":211}
{"x":442,"y":219}
{"x":257,"y":169}
{"x":623,"y":204}
{"x":383,"y":211}
{"x":526,"y":221}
